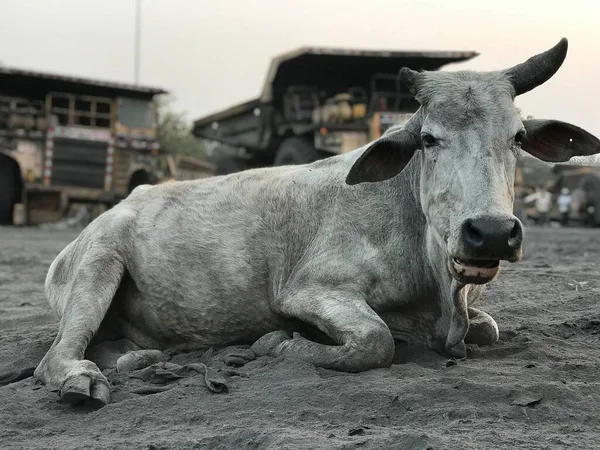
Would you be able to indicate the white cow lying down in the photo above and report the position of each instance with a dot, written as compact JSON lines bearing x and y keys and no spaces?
{"x":391,"y":241}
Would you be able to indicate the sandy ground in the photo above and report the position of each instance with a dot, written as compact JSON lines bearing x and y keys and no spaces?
{"x":539,"y":387}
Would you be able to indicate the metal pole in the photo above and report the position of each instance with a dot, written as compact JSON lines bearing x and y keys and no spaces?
{"x":138,"y":11}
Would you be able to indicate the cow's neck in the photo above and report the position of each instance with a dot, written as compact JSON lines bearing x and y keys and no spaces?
{"x":411,"y":223}
{"x":408,"y":214}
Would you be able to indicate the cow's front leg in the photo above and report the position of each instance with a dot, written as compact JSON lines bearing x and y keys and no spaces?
{"x":363,"y":339}
{"x":455,"y":314}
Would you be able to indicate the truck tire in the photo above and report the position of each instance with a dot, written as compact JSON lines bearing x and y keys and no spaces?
{"x":139,"y":177}
{"x":590,"y":184}
{"x":593,"y":211}
{"x":294,"y":151}
{"x":9,"y":188}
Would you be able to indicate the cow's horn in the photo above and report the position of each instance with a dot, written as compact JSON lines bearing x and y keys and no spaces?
{"x":538,"y":69}
{"x":409,"y":78}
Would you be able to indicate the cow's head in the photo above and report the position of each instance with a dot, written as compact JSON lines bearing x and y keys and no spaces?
{"x":468,"y":134}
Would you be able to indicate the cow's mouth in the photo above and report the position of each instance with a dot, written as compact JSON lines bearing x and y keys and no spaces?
{"x":474,"y":271}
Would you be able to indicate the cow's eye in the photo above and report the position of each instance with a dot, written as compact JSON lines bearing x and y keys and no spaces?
{"x":428,"y":140}
{"x":520,"y":137}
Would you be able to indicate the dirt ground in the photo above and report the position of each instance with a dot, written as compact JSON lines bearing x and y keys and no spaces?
{"x":538,"y":388}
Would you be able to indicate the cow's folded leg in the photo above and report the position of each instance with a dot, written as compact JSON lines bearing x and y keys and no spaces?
{"x":364,"y":340}
{"x":93,"y":286}
{"x":483,"y":329}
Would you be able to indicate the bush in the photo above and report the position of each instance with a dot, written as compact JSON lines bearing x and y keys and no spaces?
{"x":174,"y":132}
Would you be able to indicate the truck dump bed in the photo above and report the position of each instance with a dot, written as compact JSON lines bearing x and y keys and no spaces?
{"x":328,"y":69}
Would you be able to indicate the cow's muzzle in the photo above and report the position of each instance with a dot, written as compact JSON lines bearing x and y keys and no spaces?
{"x":484,"y":242}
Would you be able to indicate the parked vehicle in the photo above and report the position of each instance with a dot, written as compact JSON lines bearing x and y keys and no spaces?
{"x":316,"y":102}
{"x":66,"y":139}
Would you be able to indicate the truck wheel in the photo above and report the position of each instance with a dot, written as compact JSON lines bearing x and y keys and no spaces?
{"x":139,"y":177}
{"x":9,"y":188}
{"x":594,"y":210}
{"x":296,"y":150}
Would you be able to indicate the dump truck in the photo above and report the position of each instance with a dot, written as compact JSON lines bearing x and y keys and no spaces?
{"x":317,"y":102}
{"x":70,"y":140}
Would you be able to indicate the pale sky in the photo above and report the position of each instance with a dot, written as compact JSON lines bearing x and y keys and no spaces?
{"x":211,"y":54}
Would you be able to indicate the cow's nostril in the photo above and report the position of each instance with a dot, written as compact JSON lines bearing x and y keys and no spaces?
{"x":516,"y":236}
{"x":516,"y":231}
{"x":472,"y":234}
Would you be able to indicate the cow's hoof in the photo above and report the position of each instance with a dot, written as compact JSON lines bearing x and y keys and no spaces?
{"x":139,"y":359}
{"x":86,"y":389}
{"x":267,"y":345}
{"x":483,"y":330}
{"x":239,"y":357}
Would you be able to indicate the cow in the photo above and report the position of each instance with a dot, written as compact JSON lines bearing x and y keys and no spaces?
{"x":330,"y":262}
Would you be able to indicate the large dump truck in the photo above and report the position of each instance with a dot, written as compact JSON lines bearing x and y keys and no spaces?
{"x":316,"y":102}
{"x":71,"y":140}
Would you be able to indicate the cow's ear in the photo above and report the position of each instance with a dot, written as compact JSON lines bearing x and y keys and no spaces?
{"x":384,"y":158}
{"x":555,"y":141}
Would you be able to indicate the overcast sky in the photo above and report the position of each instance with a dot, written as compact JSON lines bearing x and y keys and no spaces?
{"x":211,"y":54}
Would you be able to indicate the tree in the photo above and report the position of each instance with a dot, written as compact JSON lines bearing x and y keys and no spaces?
{"x":174,"y":132}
